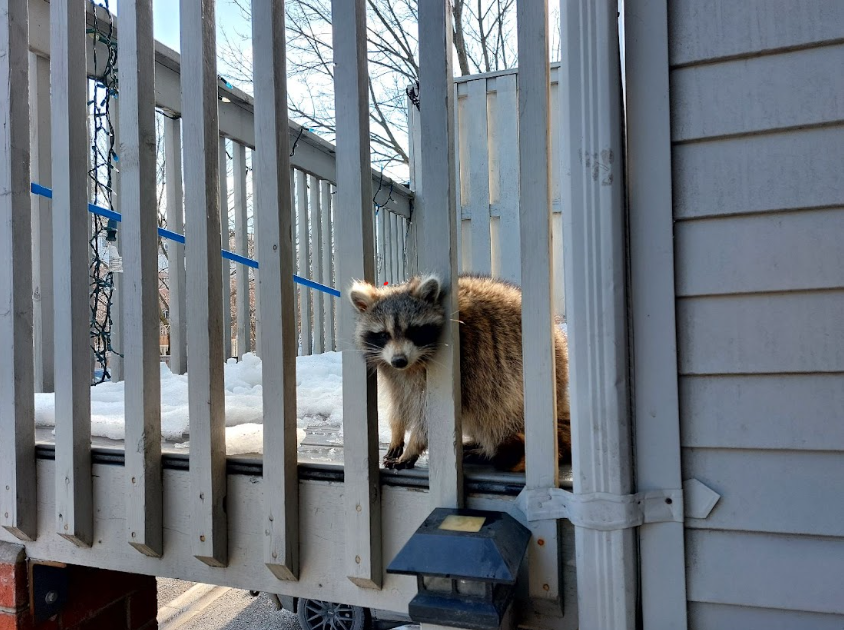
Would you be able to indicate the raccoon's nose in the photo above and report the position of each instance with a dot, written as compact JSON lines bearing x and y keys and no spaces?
{"x":399,"y":361}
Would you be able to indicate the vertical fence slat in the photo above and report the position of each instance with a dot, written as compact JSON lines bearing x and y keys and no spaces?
{"x":297,"y":295}
{"x":256,"y":273}
{"x":356,"y":260}
{"x":388,"y":245}
{"x":402,"y":223}
{"x":209,"y":533}
{"x":394,"y":245}
{"x":114,"y":360}
{"x":304,"y":261}
{"x":595,"y":307}
{"x":507,"y":136}
{"x":242,"y":242}
{"x":462,"y":263}
{"x":71,"y":231}
{"x":479,"y":176}
{"x":144,"y":523}
{"x":380,"y":239}
{"x":335,"y":279}
{"x":18,"y":510}
{"x":375,"y":244}
{"x":534,"y":199}
{"x":271,"y":163}
{"x":42,"y":227}
{"x":175,"y":251}
{"x":226,"y":244}
{"x":556,"y":203}
{"x":316,"y":240}
{"x":326,"y":275}
{"x":437,"y":246}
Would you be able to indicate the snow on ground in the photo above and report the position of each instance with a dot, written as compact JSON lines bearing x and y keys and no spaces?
{"x":319,"y":397}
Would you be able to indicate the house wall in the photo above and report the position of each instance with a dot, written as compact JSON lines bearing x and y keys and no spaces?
{"x":757,"y":124}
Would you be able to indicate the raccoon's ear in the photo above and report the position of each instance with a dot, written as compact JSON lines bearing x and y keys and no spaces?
{"x":362,"y":295}
{"x":428,"y":289}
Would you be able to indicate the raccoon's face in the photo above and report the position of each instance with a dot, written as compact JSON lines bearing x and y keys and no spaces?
{"x":399,"y":327}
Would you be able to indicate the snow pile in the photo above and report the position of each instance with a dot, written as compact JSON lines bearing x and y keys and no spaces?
{"x":319,"y":396}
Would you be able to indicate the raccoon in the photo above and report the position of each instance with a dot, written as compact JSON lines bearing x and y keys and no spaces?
{"x":398,"y":330}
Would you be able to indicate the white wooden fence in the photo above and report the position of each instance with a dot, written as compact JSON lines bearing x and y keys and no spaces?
{"x":487,"y":171}
{"x":274,"y":528}
{"x":312,"y":188}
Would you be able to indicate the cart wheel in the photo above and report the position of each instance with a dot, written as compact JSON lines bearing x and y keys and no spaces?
{"x":254,"y":593}
{"x":315,"y":614}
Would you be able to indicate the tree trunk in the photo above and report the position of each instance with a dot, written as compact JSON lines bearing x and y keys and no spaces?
{"x":459,"y":40}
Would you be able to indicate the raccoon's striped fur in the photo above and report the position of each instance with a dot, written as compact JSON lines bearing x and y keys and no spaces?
{"x":398,"y":330}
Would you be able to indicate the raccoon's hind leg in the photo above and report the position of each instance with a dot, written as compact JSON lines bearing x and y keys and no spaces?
{"x":511,"y":454}
{"x":474,"y":453}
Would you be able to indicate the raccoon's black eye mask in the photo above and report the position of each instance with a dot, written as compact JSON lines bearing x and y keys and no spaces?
{"x":377,"y":339}
{"x":423,"y":335}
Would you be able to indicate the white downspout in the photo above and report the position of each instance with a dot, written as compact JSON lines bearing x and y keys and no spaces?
{"x":594,"y":249}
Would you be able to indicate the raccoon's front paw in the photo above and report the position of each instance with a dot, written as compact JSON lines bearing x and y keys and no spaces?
{"x":394,"y":452}
{"x":392,"y":456}
{"x":404,"y":462}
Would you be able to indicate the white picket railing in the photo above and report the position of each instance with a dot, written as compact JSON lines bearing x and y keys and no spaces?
{"x":313,"y":171}
{"x":315,"y":214}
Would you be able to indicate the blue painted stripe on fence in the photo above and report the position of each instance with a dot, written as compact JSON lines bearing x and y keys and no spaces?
{"x":172,"y":236}
{"x":43,"y":191}
{"x":40,"y":190}
{"x":316,"y":285}
{"x":243,"y":260}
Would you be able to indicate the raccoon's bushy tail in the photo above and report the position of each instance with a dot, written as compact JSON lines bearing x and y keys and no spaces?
{"x":511,"y":453}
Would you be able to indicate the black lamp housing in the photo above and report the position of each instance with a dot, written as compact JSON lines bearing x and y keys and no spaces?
{"x":466,"y":563}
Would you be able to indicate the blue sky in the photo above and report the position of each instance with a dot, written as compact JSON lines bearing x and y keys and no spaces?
{"x":166,"y":20}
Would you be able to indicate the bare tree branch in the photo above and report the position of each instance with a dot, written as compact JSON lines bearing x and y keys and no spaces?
{"x":483,"y":36}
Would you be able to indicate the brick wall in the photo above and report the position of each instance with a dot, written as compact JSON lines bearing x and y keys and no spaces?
{"x":96,"y":599}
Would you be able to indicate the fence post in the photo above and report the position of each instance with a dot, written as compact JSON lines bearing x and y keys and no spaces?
{"x":242,"y":240}
{"x":540,"y":384}
{"x":274,"y":230}
{"x":356,"y":261}
{"x":18,"y":511}
{"x":596,"y":303}
{"x":175,"y":250}
{"x":437,"y":248}
{"x":42,"y":226}
{"x":71,"y":231}
{"x":226,"y":244}
{"x":144,"y":521}
{"x":209,"y":533}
